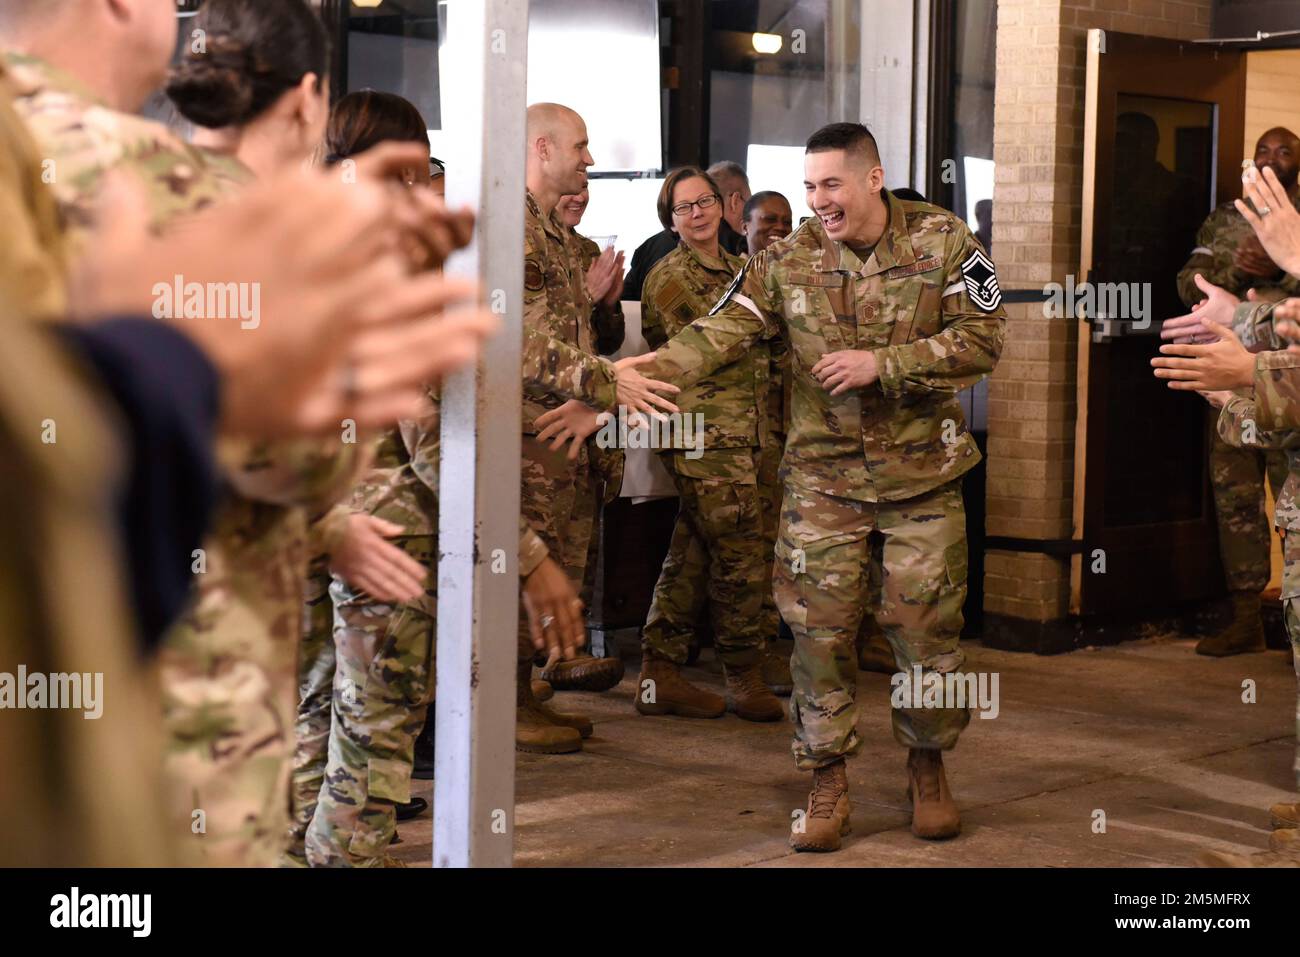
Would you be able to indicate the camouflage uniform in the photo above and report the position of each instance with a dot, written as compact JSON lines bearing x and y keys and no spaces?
{"x":357,"y":739}
{"x":608,"y":331}
{"x":368,"y":667}
{"x":227,"y":667}
{"x":1271,"y":420}
{"x":75,"y":793}
{"x":84,"y":139}
{"x":871,"y":476}
{"x":1237,"y":474}
{"x":560,"y":498}
{"x":719,"y":554}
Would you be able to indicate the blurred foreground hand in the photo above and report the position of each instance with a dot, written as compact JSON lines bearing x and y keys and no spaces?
{"x":343,"y":329}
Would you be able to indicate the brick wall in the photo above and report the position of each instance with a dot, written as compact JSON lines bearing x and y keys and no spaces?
{"x":1038,"y":151}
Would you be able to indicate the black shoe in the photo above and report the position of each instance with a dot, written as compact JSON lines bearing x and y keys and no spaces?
{"x":414,"y":808}
{"x":423,"y":766}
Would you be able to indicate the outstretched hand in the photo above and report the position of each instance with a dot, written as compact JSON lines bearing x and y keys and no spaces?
{"x":572,"y":422}
{"x":638,"y":393}
{"x":1216,"y":309}
{"x":1212,"y":367}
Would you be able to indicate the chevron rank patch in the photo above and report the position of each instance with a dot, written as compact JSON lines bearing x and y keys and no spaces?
{"x":981,"y":281}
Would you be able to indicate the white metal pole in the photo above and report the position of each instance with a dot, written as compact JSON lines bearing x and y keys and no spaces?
{"x":483,"y":79}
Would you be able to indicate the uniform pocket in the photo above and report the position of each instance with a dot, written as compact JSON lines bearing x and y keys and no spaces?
{"x":787,"y":573}
{"x":388,"y":780}
{"x":956,"y":563}
{"x":402,"y":669}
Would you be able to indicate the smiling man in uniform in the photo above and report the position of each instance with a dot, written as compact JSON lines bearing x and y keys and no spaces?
{"x":890,"y":309}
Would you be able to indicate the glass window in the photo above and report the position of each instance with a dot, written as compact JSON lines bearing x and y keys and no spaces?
{"x":779,"y":69}
{"x":963,"y":148}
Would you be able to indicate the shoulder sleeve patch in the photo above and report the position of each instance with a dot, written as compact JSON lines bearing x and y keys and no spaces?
{"x":534,"y":281}
{"x":981,"y":280}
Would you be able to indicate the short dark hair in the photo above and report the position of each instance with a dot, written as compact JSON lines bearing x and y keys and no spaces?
{"x":850,"y":137}
{"x":367,"y":118}
{"x":758,"y":199}
{"x":665,"y":202}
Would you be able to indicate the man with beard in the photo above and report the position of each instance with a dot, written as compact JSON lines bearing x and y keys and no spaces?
{"x":1229,"y":255}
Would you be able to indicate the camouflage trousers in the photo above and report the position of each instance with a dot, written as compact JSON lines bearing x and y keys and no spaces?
{"x":384,"y":675}
{"x":1237,"y":477}
{"x":1291,"y":611}
{"x":826,"y":554}
{"x":720,"y":558}
{"x":226,"y":677}
{"x":770,"y":491}
{"x":315,"y":708}
{"x":560,"y":501}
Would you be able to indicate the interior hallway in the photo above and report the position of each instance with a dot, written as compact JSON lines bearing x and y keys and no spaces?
{"x":1146,"y":731}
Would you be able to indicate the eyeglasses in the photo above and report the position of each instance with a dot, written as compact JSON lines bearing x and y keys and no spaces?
{"x":704,"y":202}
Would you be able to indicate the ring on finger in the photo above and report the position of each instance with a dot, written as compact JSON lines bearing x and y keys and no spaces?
{"x":548,"y":620}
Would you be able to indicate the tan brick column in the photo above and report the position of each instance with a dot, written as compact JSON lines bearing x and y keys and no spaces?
{"x":1038,"y":149}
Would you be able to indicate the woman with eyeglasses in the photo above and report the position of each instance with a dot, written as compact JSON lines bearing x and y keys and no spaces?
{"x":719,"y":556}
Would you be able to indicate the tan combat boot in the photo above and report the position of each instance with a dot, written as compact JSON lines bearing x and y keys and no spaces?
{"x":578,"y":722}
{"x":1286,"y":858}
{"x":874,"y":651}
{"x":934,"y":815}
{"x":661,"y":689}
{"x":750,"y":697}
{"x":776,"y":671}
{"x":583,"y":673}
{"x":1244,"y":634}
{"x":826,"y":819}
{"x":1282,"y":816}
{"x":1284,"y":841}
{"x":534,"y":731}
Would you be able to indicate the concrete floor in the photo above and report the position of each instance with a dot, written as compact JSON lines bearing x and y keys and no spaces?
{"x":1147,"y":732}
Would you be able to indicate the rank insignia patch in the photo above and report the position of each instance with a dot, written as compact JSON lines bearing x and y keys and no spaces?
{"x":981,"y":281}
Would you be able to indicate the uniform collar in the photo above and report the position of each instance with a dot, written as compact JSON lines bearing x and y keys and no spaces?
{"x":893,"y":249}
{"x":30,"y":75}
{"x":716,"y":263}
{"x":550,"y":222}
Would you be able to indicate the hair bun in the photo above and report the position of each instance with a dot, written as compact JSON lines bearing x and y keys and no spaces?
{"x":253,"y":52}
{"x":214,"y":88}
